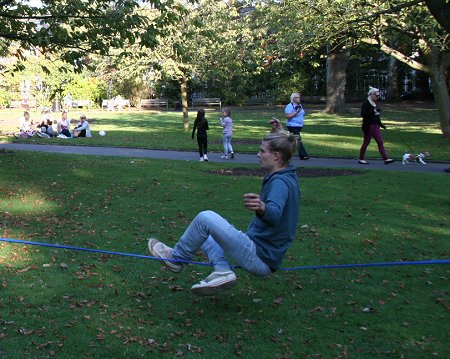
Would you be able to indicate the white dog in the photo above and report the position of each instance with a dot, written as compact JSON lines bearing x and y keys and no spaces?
{"x":410,"y":158}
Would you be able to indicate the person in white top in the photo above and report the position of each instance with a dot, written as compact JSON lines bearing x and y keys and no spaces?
{"x":82,"y":129}
{"x":25,"y":123}
{"x":63,"y":125}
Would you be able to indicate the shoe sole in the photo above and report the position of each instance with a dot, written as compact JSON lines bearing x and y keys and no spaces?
{"x":168,"y":264}
{"x":213,"y":289}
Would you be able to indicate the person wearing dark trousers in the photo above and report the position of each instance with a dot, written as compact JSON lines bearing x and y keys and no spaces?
{"x":371,"y":126}
{"x":295,"y":114}
{"x":201,"y":125}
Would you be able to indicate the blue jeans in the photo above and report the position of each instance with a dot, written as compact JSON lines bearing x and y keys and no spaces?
{"x":215,"y":236}
{"x":227,"y":148}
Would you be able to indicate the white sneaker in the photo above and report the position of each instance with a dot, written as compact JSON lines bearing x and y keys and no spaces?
{"x":205,"y":157}
{"x":201,"y":159}
{"x":224,"y":157}
{"x":61,"y":136}
{"x":215,"y":282}
{"x":160,"y":250}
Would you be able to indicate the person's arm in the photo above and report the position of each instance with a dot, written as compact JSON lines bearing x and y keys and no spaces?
{"x":290,"y":115}
{"x":84,"y":125}
{"x":271,"y":209}
{"x":276,"y":125}
{"x":366,"y":110}
{"x":193,"y":131}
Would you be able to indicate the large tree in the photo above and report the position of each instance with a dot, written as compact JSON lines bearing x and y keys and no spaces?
{"x":425,"y":45}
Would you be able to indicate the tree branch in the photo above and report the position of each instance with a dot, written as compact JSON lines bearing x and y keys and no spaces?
{"x":391,"y":10}
{"x":398,"y":55}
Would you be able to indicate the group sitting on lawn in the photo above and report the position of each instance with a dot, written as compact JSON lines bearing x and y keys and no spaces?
{"x":47,"y":128}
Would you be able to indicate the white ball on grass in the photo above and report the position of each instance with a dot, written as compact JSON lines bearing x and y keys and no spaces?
{"x":102,"y":133}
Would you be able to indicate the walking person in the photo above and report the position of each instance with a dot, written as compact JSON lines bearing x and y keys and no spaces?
{"x":295,"y":114}
{"x":227,"y":123}
{"x":371,"y":126}
{"x":259,"y":250}
{"x":201,"y":125}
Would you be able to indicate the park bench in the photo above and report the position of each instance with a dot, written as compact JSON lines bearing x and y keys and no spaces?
{"x":153,"y":102}
{"x":20,"y":104}
{"x":206,"y":101}
{"x":81,"y":103}
{"x":116,"y":103}
{"x":15,"y":104}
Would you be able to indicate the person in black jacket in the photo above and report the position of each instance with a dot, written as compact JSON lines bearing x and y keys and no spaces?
{"x":371,"y":124}
{"x":201,"y":125}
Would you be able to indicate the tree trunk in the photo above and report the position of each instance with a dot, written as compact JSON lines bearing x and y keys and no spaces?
{"x":184,"y":102}
{"x":336,"y":80}
{"x":441,"y":12}
{"x":438,"y":64}
{"x":392,"y":89}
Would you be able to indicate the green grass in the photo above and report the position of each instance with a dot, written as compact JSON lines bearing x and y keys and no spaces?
{"x":71,"y":304}
{"x":410,"y":129}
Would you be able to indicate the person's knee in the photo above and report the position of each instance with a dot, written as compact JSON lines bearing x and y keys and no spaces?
{"x":204,"y":215}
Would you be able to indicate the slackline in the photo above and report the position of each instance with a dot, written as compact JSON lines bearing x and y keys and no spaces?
{"x":333,"y":266}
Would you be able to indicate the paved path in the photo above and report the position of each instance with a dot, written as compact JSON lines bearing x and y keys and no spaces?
{"x":437,"y":167}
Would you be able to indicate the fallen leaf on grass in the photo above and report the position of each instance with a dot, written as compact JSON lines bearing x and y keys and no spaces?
{"x":25,"y":331}
{"x":369,"y":310}
{"x":175,"y":288}
{"x":278,"y":301}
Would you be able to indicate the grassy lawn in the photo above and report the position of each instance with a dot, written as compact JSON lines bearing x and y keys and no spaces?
{"x":411,"y":128}
{"x":71,"y":304}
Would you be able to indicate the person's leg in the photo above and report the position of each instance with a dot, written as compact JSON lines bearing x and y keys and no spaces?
{"x":200,"y":146}
{"x":205,"y":145}
{"x":367,"y":138}
{"x":225,"y":145}
{"x":301,"y":148}
{"x":224,"y":237}
{"x":296,"y":131}
{"x":205,"y":148}
{"x":230,"y":148}
{"x":379,"y":139}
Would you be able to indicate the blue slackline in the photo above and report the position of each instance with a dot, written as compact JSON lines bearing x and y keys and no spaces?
{"x":381,"y":264}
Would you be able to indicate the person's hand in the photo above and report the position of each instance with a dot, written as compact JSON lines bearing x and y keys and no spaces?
{"x":276,"y":124}
{"x":253,"y":203}
{"x":383,"y":126}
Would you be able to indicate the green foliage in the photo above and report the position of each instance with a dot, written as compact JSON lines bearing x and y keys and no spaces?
{"x":86,"y":88}
{"x":5,"y":97}
{"x":75,"y":28}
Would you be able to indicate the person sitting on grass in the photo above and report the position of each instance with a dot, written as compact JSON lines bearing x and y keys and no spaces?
{"x":262,"y":247}
{"x":63,"y":126}
{"x":26,"y":126}
{"x":82,"y":129}
{"x":45,"y":129}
